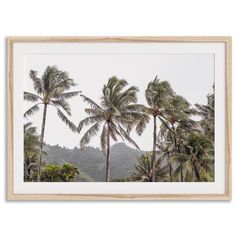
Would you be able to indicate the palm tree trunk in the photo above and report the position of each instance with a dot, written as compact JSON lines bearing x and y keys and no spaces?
{"x":41,"y":143}
{"x":181,"y":174}
{"x":177,"y":149}
{"x":170,"y":167}
{"x":196,"y":172}
{"x":154,"y":148}
{"x":193,"y":179}
{"x":174,"y":135}
{"x":108,"y":155}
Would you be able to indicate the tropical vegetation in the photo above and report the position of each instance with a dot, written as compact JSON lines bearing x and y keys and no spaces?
{"x":55,"y":173}
{"x":182,"y":137}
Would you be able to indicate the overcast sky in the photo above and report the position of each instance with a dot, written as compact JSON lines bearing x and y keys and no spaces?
{"x":191,"y":76}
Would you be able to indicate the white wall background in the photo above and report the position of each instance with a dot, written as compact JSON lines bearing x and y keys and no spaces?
{"x":108,"y":17}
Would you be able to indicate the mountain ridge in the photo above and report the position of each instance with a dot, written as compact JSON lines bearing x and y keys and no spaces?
{"x":91,"y":160}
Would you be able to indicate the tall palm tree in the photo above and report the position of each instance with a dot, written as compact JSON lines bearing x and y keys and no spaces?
{"x":176,"y":123}
{"x":116,"y":114}
{"x":50,"y":90}
{"x":157,"y":95}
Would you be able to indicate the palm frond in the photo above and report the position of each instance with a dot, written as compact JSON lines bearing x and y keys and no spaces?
{"x":126,"y":122}
{"x":66,"y":120}
{"x":127,"y":97}
{"x":159,"y":161}
{"x":89,"y":134}
{"x":142,"y":124}
{"x":68,"y":95}
{"x":162,"y":172}
{"x":59,"y":88}
{"x":127,"y":137}
{"x":115,"y":130}
{"x":63,"y":104}
{"x":204,"y":176}
{"x":133,"y":107}
{"x":37,"y":83}
{"x":89,"y":120}
{"x":93,"y":104}
{"x":119,"y":86}
{"x":27,"y":125}
{"x":94,"y":112}
{"x":112,"y":133}
{"x":31,"y":97}
{"x":32,"y":110}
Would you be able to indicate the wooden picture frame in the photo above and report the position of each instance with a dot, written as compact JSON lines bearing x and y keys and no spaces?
{"x":12,"y":194}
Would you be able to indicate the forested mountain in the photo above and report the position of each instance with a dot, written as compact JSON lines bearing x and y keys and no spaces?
{"x":91,"y":161}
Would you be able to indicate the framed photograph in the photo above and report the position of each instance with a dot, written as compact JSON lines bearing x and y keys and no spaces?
{"x":119,"y":118}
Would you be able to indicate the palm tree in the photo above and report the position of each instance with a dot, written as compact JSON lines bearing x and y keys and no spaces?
{"x":176,"y":122}
{"x":207,"y":112}
{"x":116,"y":114}
{"x":50,"y":89}
{"x":166,"y":147}
{"x":143,"y":169}
{"x":31,"y":151}
{"x":177,"y":110}
{"x":196,"y":158}
{"x":157,"y":96}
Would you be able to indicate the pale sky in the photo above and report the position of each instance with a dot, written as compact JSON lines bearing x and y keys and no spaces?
{"x":190,"y":75}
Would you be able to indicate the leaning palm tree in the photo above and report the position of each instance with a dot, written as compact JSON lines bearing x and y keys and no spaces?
{"x":177,"y":111}
{"x":157,"y":96}
{"x":177,"y":122}
{"x":116,"y":114}
{"x":207,"y":113}
{"x":50,"y":90}
{"x":196,"y":158}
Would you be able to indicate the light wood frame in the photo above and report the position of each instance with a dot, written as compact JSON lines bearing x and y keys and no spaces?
{"x":182,"y":39}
